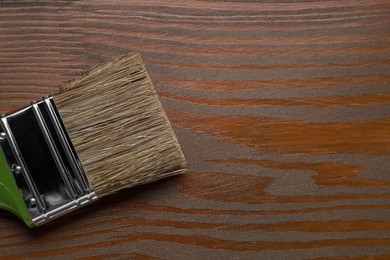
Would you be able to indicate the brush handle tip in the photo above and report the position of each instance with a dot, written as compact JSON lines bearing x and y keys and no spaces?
{"x":10,"y":197}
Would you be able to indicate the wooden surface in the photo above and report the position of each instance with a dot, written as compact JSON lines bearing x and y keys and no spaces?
{"x":282,"y":109}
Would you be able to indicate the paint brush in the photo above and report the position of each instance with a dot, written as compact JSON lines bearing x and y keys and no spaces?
{"x":101,"y":133}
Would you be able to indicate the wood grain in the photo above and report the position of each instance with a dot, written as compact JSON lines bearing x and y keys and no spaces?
{"x":281,"y":107}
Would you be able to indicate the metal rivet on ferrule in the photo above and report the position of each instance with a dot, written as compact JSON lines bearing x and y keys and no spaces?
{"x":32,"y":202}
{"x":3,"y":136}
{"x":17,"y":169}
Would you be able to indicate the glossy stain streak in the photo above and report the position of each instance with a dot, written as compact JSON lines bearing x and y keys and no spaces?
{"x":281,"y":109}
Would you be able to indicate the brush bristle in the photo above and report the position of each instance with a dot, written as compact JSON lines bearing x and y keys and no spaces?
{"x":118,"y":126}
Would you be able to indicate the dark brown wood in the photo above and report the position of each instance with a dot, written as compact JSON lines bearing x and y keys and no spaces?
{"x":281,"y":107}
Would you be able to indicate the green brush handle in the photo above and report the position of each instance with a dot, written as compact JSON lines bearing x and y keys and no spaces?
{"x":10,"y":198}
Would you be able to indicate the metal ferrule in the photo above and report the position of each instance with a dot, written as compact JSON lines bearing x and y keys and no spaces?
{"x":43,"y":161}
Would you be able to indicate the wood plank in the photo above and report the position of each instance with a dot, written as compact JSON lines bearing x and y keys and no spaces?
{"x":282,"y":110}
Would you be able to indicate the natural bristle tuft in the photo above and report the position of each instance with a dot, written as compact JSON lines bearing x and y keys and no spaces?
{"x":118,"y":126}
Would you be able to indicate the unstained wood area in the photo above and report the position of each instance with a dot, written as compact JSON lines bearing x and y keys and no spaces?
{"x":281,"y":108}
